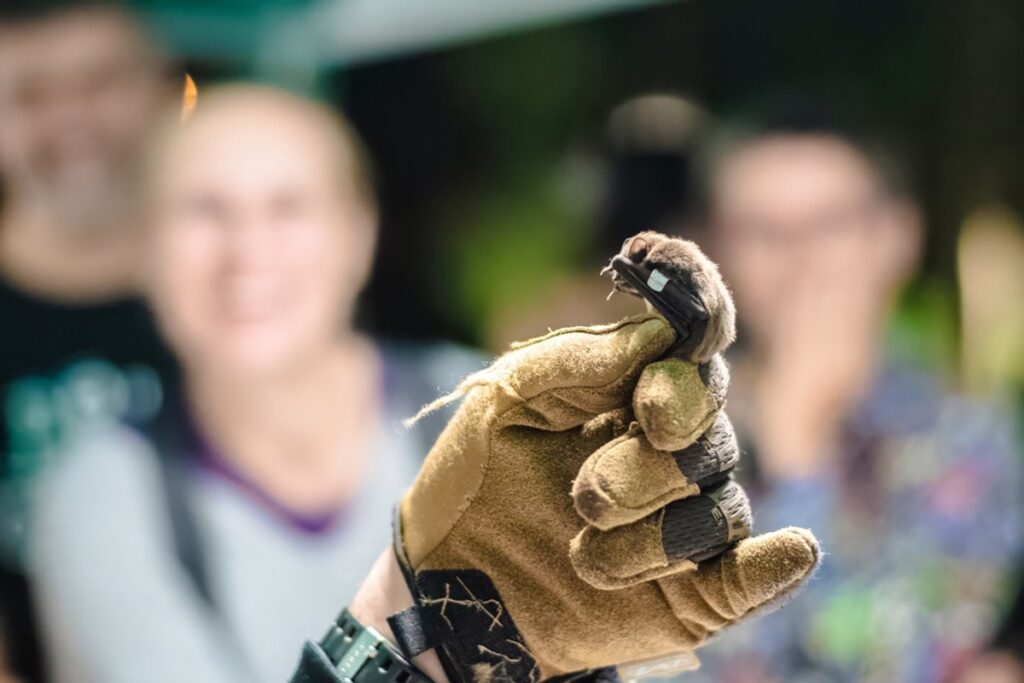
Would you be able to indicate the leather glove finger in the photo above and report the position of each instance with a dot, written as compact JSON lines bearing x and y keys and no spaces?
{"x":669,"y":541}
{"x":628,"y":478}
{"x":676,"y":401}
{"x":568,"y":377}
{"x":756,"y":574}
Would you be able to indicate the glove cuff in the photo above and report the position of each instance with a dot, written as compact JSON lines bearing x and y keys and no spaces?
{"x":460,"y":615}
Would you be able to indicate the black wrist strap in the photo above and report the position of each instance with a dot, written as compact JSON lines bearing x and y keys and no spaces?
{"x":354,"y":653}
{"x":412,"y":632}
{"x":417,"y":629}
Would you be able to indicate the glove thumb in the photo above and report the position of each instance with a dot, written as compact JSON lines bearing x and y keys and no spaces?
{"x":756,"y":574}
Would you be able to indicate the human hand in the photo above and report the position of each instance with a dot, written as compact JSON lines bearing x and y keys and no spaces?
{"x":816,"y":366}
{"x":515,"y":579}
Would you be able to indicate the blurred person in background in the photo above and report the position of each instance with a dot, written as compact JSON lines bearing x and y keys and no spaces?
{"x":913,"y":488}
{"x":80,"y":83}
{"x":208,"y":547}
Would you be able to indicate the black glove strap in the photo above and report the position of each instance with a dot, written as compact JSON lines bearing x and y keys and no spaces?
{"x":412,"y":632}
{"x":459,"y":637}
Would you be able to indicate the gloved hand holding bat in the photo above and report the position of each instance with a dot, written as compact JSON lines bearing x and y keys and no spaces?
{"x":578,"y":512}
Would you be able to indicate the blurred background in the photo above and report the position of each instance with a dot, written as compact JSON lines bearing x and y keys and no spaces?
{"x":514,"y":145}
{"x":489,"y":124}
{"x":509,"y":115}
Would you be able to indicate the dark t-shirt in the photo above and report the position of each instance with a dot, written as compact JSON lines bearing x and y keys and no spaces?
{"x":62,"y":367}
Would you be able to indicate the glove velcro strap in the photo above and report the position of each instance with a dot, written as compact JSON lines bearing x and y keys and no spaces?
{"x":413,"y":633}
{"x":460,"y":614}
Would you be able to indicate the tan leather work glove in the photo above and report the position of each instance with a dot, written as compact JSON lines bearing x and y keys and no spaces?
{"x":554,"y":526}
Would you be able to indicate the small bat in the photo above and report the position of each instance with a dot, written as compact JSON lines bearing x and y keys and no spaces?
{"x":675,"y":277}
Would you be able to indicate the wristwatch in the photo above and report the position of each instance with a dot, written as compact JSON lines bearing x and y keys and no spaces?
{"x":354,"y":653}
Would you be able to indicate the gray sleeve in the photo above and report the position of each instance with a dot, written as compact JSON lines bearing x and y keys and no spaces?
{"x":115,"y":604}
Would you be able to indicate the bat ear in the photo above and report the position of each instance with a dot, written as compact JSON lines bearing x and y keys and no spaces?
{"x":636,"y":248}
